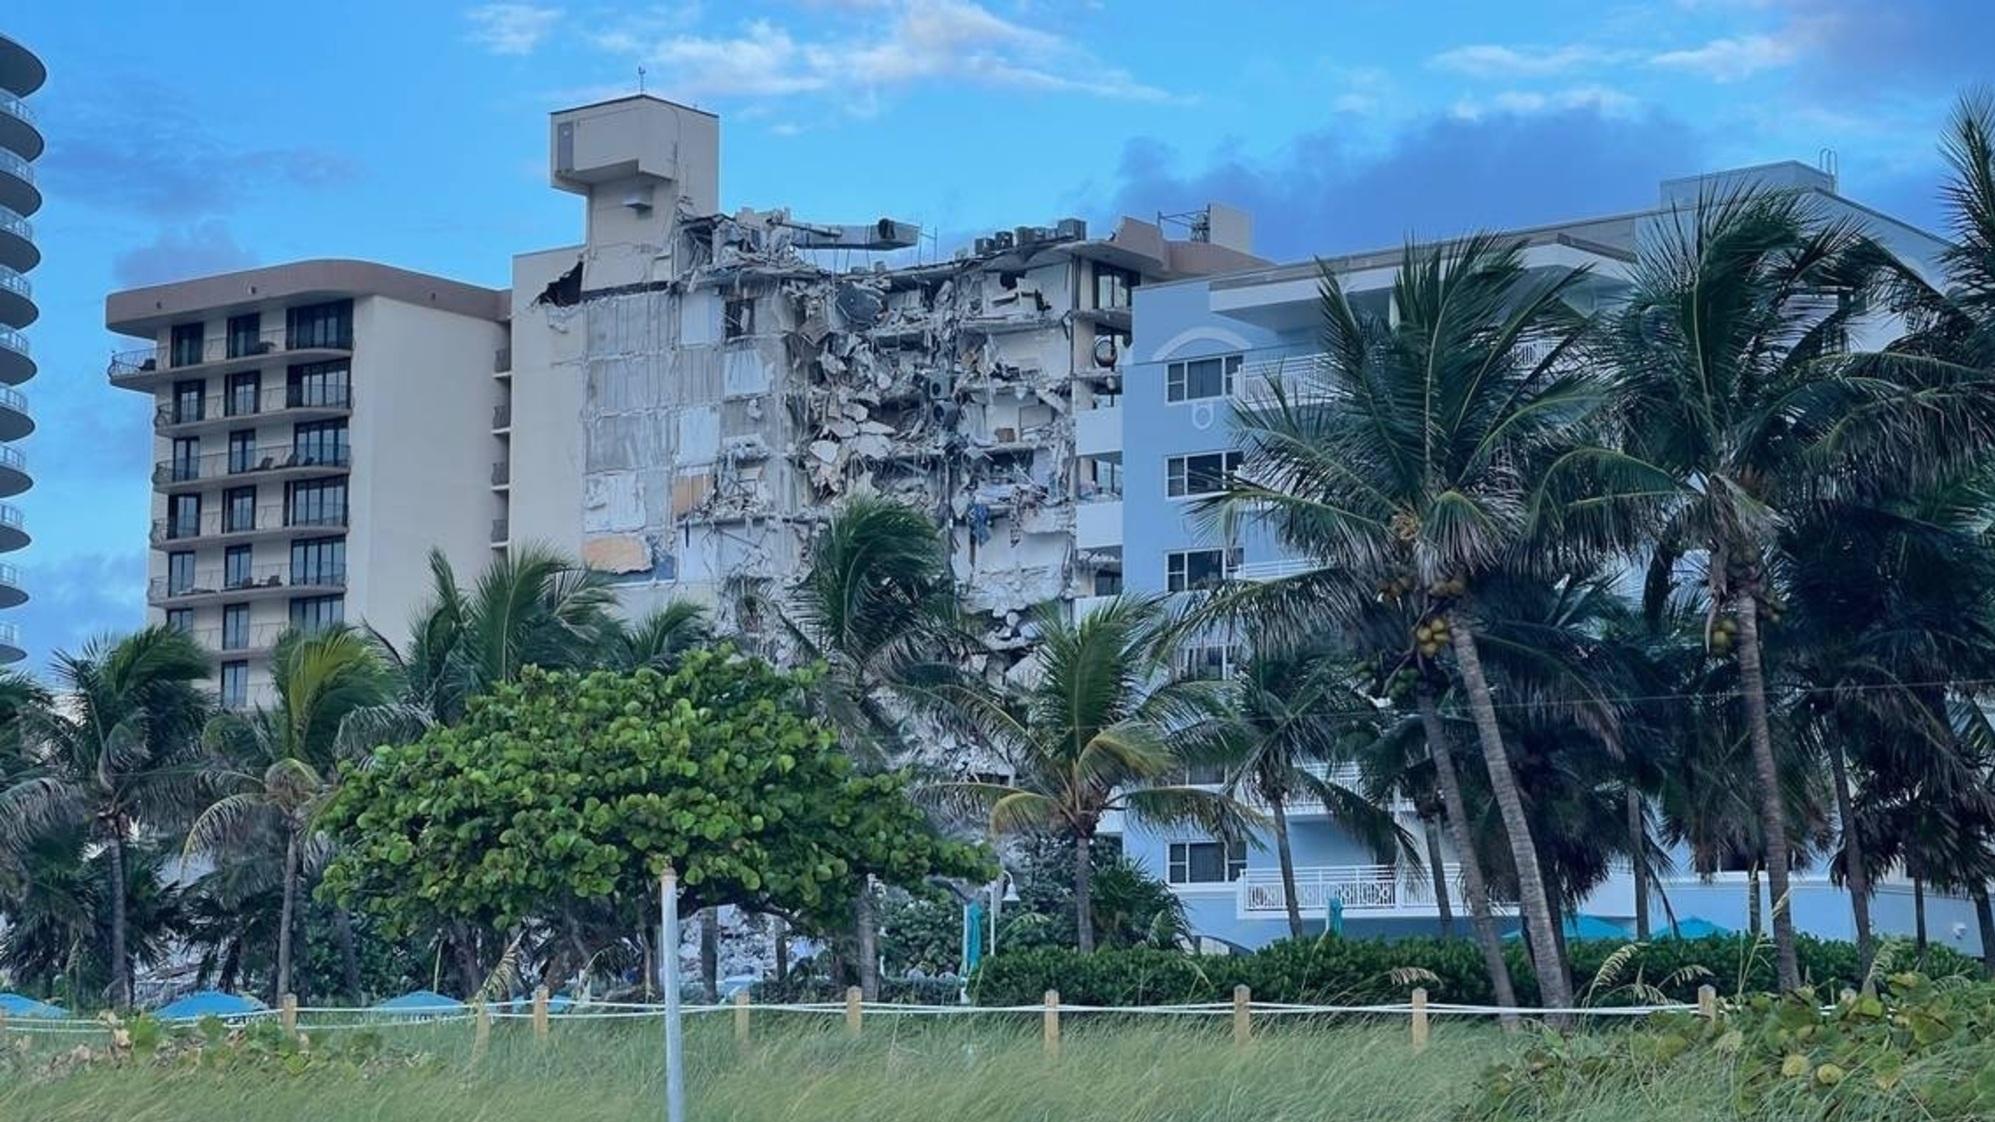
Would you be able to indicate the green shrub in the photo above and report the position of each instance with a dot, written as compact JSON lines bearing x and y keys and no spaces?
{"x":1339,"y":971}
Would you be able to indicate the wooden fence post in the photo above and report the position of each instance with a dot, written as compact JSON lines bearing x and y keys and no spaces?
{"x":1051,"y":1024}
{"x":540,"y":1012}
{"x":1420,"y":1019}
{"x":287,"y":1013}
{"x":852,"y":1010}
{"x":1707,"y":1003}
{"x":741,"y":1017}
{"x":481,"y":1028}
{"x":1243,"y":1029}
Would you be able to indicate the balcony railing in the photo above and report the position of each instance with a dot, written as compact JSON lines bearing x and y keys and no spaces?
{"x":1274,"y":570}
{"x":502,"y":415}
{"x":219,"y":348}
{"x":1357,"y":888}
{"x":10,"y":635}
{"x":16,"y":166}
{"x":231,"y":463}
{"x":14,"y":340}
{"x":11,"y":458}
{"x":255,"y":637}
{"x":502,"y":473}
{"x":16,"y":283}
{"x":16,"y":107}
{"x":266,"y":401}
{"x":283,"y":575}
{"x":10,"y":575}
{"x":16,"y":225}
{"x":499,"y":530}
{"x":214,"y":524}
{"x":10,"y":516}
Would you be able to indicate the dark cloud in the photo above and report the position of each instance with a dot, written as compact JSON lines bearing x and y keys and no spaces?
{"x":135,"y":146}
{"x":201,"y":249}
{"x":1440,"y":177}
{"x":76,"y":599}
{"x":1860,"y":48}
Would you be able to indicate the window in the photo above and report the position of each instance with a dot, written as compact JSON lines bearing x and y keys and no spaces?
{"x":1208,"y":862}
{"x":180,"y":619}
{"x":1207,"y":662}
{"x":318,"y":503}
{"x":1202,"y":474}
{"x":179,"y":574}
{"x":1188,"y":570}
{"x":235,"y":627}
{"x":1100,"y":479}
{"x":317,"y":385}
{"x":1200,"y":378}
{"x":188,"y":400}
{"x":1112,"y":286}
{"x":245,"y":394}
{"x":235,"y":685}
{"x":186,"y":459}
{"x":319,"y":443}
{"x":183,"y":516}
{"x":238,"y":510}
{"x":738,"y":318}
{"x":320,"y":325}
{"x":242,"y":451}
{"x":243,"y":332}
{"x":236,"y":569}
{"x":1107,"y":582}
{"x":313,"y":613}
{"x":186,"y":343}
{"x":318,"y":561}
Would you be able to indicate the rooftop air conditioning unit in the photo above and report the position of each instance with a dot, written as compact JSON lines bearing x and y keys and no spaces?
{"x":986,"y":245}
{"x":1071,"y":229}
{"x":1026,"y":235}
{"x":1002,"y":239}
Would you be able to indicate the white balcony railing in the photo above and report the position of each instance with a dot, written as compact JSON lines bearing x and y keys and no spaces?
{"x":1358,"y":888}
{"x":1273,"y":570}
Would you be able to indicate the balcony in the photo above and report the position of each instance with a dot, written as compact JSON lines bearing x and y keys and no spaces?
{"x":13,"y":593}
{"x":17,"y":127}
{"x":17,"y":364}
{"x":145,"y":367}
{"x":13,"y":472}
{"x":269,"y":521}
{"x":1098,"y":431}
{"x":502,"y":474}
{"x":17,"y":184}
{"x":502,"y":417}
{"x":257,"y":465}
{"x":284,"y":404}
{"x":256,"y":639}
{"x":500,"y":531}
{"x":17,"y":299}
{"x":1362,"y":890}
{"x":13,"y":528}
{"x":17,"y":242}
{"x":1274,"y":570}
{"x":11,"y":649}
{"x":258,"y":582}
{"x":1098,"y":523}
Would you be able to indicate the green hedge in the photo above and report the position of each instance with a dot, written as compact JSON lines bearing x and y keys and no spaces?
{"x":1370,"y":971}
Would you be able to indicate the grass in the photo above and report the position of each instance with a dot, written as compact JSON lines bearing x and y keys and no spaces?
{"x":899,"y":1070}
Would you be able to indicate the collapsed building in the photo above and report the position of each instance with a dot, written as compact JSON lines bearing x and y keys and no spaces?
{"x":690,"y":391}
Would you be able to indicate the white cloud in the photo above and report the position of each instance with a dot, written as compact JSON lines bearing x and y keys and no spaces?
{"x":1604,"y":100}
{"x":1728,"y":60}
{"x":892,"y":45}
{"x":511,"y":29}
{"x":1490,"y":60}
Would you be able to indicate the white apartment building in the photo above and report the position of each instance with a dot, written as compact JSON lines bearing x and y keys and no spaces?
{"x":692,"y":389}
{"x":319,"y":427}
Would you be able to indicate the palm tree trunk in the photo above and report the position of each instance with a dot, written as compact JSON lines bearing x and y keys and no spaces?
{"x":349,"y":954}
{"x":1638,"y":859}
{"x":287,"y":917}
{"x":1752,"y":900}
{"x":1473,"y":886}
{"x":1984,"y":919}
{"x":1554,"y":988}
{"x":710,"y":954}
{"x":1855,"y":868}
{"x":1084,"y":893}
{"x":1919,"y":916}
{"x":1287,"y":859}
{"x":121,"y":974}
{"x":465,"y":947}
{"x":1443,"y":910}
{"x":868,"y":939}
{"x":780,"y":933}
{"x":1773,"y":811}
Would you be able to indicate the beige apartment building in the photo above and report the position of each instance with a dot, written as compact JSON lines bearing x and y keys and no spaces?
{"x":318,"y":428}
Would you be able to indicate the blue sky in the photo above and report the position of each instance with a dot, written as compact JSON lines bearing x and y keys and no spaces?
{"x":199,"y":137}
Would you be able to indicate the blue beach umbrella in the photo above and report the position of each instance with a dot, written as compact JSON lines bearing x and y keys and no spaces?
{"x":208,"y":1003}
{"x":17,"y":1005}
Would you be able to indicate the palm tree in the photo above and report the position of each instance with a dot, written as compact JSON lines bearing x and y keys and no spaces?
{"x":1744,"y":406}
{"x":273,"y":769}
{"x":1408,"y":461}
{"x":876,"y":605}
{"x":118,"y":753}
{"x":1096,"y":731}
{"x":1288,"y":719}
{"x":659,"y":639}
